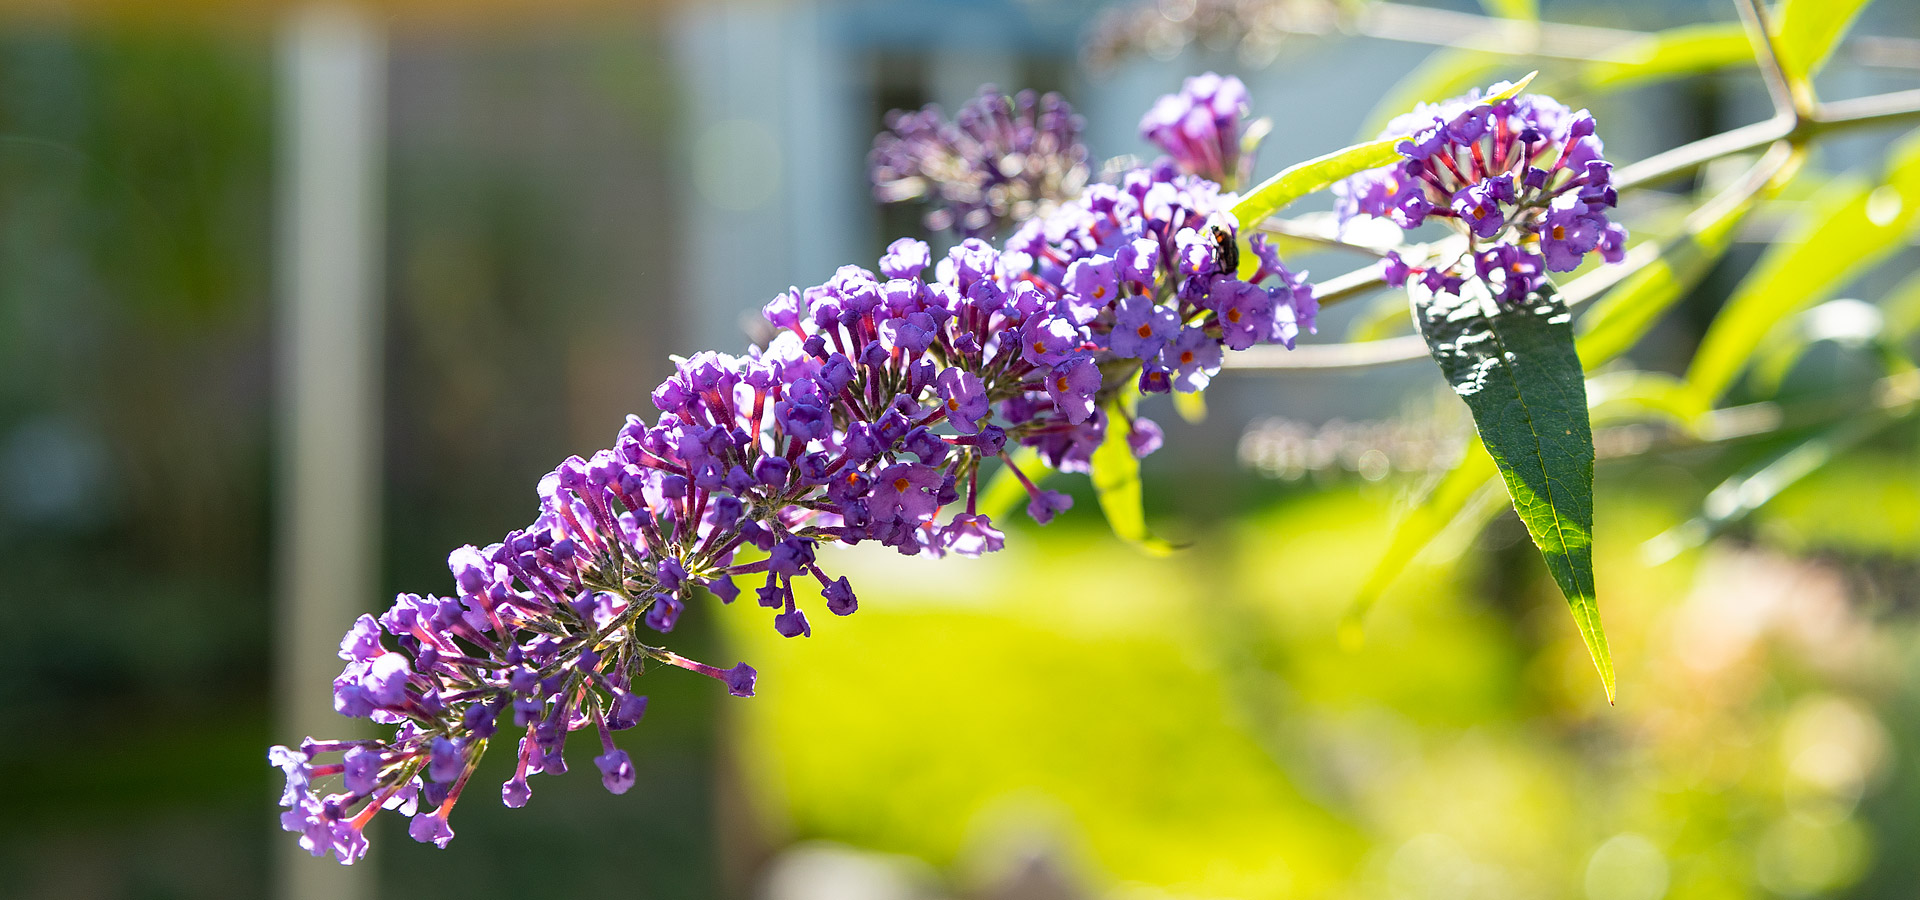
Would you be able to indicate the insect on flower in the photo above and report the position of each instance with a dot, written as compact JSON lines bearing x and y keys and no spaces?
{"x":1220,"y":234}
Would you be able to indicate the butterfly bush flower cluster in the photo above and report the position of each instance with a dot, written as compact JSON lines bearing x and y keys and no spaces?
{"x":1199,"y":128}
{"x":1523,"y":179}
{"x":866,"y":417}
{"x":1002,"y":159}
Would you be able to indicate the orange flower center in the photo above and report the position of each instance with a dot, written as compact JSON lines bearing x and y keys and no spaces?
{"x":1146,"y":331}
{"x":900,"y":484}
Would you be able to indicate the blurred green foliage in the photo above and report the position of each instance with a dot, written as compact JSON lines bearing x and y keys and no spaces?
{"x":1191,"y":727}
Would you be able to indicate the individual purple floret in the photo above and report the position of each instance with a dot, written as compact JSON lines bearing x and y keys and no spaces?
{"x":867,"y":417}
{"x":1001,"y":160}
{"x":1523,"y":179}
{"x":1199,"y":128}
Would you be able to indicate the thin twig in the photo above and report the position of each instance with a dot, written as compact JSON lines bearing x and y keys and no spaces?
{"x":1767,"y":56}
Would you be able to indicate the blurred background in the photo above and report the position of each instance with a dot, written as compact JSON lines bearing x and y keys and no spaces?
{"x":295,"y":299}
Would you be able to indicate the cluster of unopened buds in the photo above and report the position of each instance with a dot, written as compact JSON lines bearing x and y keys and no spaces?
{"x":867,"y":417}
{"x":1522,"y":179}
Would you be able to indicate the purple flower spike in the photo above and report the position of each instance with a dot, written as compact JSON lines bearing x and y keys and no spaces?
{"x":866,"y":415}
{"x":1512,"y":175}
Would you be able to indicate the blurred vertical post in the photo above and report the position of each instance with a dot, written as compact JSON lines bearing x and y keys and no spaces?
{"x":332,"y":88}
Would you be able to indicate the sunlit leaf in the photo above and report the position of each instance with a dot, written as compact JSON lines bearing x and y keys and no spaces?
{"x":1192,"y":407}
{"x":1633,"y":395}
{"x":1673,"y":53}
{"x":1525,"y":10}
{"x":1448,"y":501}
{"x":1851,"y":224}
{"x":1845,"y":321}
{"x":1625,"y":315}
{"x":1116,"y":480}
{"x":1745,"y":493}
{"x":1322,"y":172}
{"x":1807,"y":31}
{"x":1514,"y":364}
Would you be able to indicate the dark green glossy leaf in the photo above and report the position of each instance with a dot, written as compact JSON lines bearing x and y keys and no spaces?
{"x":1514,"y":364}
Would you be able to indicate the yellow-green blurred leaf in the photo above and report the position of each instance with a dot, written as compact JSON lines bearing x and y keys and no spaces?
{"x":1116,"y":480}
{"x":1807,"y":31}
{"x":1851,"y":224}
{"x":1526,"y":10}
{"x":1191,"y":407}
{"x":1450,"y":499}
{"x":1669,"y":54}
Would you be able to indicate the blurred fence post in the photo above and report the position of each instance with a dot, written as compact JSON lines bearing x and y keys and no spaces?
{"x":331,"y":93}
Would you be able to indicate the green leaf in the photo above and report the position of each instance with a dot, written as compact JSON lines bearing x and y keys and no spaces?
{"x":1004,"y":493}
{"x":1850,"y":225}
{"x":1630,"y":309}
{"x":1673,"y":53}
{"x":1524,"y":10}
{"x":1845,"y":321}
{"x":1116,"y":479}
{"x":1632,"y":395}
{"x":1322,"y":172}
{"x":1515,"y":365}
{"x":1807,"y":31}
{"x":1191,"y":407}
{"x":1745,"y":493}
{"x":1451,"y":499}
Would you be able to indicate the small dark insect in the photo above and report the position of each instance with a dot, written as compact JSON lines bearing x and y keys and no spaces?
{"x":1225,"y":250}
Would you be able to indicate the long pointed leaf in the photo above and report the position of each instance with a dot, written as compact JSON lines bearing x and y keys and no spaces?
{"x":1809,"y":30}
{"x":1851,"y":225}
{"x":1516,"y":367}
{"x":1673,"y":53}
{"x":1443,"y":504}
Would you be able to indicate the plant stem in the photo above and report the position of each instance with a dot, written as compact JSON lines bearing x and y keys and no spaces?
{"x":1787,"y":102}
